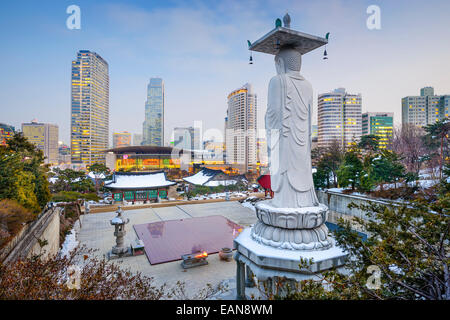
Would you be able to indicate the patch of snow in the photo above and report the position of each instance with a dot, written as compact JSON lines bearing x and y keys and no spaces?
{"x":53,"y":179}
{"x":336,"y":190}
{"x":248,"y":205}
{"x":220,"y":183}
{"x":96,"y":176}
{"x":70,"y":243}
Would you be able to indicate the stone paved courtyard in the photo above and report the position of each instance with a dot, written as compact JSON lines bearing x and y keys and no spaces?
{"x":97,"y":233}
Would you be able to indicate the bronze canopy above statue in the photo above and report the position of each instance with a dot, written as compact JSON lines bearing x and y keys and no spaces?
{"x":280,"y":37}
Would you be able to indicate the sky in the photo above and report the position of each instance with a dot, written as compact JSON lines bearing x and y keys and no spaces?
{"x":200,"y":50}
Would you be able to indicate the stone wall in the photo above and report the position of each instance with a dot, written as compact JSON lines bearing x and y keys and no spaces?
{"x":26,"y":244}
{"x":338,"y":205}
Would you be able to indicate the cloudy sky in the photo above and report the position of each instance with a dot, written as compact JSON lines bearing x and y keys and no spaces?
{"x":200,"y":50}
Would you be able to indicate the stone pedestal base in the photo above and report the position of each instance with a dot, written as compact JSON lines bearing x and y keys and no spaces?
{"x":268,"y":263}
{"x":291,"y":228}
{"x":115,"y":254}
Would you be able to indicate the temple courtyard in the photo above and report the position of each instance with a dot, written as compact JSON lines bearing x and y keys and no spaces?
{"x":96,"y":232}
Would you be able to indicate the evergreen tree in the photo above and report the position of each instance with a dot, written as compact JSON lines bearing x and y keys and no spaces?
{"x":387,"y":168}
{"x":99,"y":170}
{"x":23,"y":175}
{"x":349,"y":172}
{"x":369,"y":142}
{"x":407,"y":244}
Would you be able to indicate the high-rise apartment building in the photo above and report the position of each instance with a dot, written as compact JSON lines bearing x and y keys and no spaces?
{"x":424,"y":109}
{"x":153,"y":126}
{"x":187,"y":138}
{"x":45,"y":137}
{"x":339,"y":118}
{"x":121,"y":139}
{"x":89,"y":135}
{"x":6,"y":133}
{"x":241,"y":127}
{"x":380,"y":124}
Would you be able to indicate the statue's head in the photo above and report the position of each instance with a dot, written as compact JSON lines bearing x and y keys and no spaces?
{"x":288,"y":59}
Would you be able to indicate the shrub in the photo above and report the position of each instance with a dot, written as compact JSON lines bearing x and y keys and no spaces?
{"x":69,"y":196}
{"x":12,"y":217}
{"x":56,"y":278}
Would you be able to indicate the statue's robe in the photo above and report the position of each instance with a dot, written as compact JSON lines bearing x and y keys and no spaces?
{"x":288,"y":125}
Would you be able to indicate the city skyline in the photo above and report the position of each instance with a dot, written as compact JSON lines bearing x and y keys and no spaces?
{"x":209,"y":58}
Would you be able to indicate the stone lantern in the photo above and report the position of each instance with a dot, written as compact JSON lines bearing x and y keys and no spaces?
{"x":119,"y":250}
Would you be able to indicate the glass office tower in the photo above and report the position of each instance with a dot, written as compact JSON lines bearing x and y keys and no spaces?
{"x":153,"y":126}
{"x":89,"y":135}
{"x":380,"y":124}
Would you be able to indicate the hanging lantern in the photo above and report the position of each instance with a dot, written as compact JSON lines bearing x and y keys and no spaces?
{"x":325,"y":54}
{"x":251,"y":58}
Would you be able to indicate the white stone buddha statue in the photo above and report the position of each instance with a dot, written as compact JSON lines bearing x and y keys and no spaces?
{"x":288,"y":125}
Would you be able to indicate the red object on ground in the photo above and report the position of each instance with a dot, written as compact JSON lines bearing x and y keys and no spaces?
{"x":167,"y":241}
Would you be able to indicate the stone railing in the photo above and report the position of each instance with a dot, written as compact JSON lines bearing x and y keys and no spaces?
{"x":26,"y":244}
{"x":338,"y":205}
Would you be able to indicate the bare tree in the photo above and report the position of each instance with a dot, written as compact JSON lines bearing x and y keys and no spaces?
{"x":407,"y":141}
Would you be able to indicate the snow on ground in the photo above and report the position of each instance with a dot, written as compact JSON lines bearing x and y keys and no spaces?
{"x":221,"y":195}
{"x":70,"y":243}
{"x":220,"y":183}
{"x":429,"y":173}
{"x":96,"y":176}
{"x":423,"y":184}
{"x":249,"y":205}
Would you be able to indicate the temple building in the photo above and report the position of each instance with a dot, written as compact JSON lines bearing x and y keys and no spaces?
{"x":139,"y":186}
{"x":143,"y":158}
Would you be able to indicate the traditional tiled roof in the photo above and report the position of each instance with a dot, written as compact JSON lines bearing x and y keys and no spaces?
{"x":146,"y":150}
{"x":206,"y":176}
{"x":139,"y":180}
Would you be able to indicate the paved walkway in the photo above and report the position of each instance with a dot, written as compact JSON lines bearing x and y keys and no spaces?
{"x":97,"y":233}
